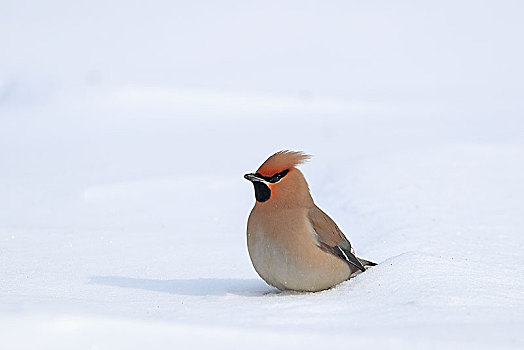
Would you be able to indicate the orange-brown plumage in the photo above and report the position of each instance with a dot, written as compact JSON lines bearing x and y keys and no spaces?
{"x":282,"y":160}
{"x":292,"y":243}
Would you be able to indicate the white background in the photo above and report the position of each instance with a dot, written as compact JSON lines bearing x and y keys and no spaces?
{"x":126,"y":127}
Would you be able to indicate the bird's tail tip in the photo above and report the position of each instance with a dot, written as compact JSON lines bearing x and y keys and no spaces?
{"x":366,"y":263}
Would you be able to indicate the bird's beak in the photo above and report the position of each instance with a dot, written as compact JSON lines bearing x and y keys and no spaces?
{"x":253,"y":178}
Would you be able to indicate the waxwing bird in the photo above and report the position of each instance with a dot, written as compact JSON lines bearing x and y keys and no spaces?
{"x":294,"y":245}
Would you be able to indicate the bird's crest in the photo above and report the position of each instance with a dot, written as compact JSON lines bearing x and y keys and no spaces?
{"x":282,"y":160}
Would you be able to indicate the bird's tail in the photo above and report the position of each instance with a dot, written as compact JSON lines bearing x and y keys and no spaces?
{"x":367,"y":264}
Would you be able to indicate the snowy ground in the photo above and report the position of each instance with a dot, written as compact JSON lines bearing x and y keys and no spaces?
{"x":125,"y":131}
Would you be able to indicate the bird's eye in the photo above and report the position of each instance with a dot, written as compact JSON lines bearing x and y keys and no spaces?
{"x":278,"y":176}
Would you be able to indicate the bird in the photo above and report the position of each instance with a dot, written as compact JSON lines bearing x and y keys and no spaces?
{"x":292,"y":243}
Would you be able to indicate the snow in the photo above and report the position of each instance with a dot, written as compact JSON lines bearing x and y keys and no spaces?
{"x":125,"y":131}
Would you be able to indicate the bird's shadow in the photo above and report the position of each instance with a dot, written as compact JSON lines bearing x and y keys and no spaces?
{"x":191,"y":287}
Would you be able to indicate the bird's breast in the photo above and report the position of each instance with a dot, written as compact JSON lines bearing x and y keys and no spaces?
{"x":288,"y":257}
{"x":268,"y":259}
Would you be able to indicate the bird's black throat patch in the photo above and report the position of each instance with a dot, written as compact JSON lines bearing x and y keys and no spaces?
{"x":262,"y":191}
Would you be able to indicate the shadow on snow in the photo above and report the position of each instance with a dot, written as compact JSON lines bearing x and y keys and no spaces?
{"x":195,"y":287}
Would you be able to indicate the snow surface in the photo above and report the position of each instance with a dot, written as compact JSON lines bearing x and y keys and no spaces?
{"x":125,"y":129}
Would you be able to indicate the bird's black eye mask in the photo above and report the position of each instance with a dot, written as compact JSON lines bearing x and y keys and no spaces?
{"x":275,"y":177}
{"x":262,"y":190}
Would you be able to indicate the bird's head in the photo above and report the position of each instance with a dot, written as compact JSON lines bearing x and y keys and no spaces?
{"x":278,"y":180}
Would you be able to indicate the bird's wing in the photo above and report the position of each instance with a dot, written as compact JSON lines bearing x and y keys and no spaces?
{"x":331,"y":239}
